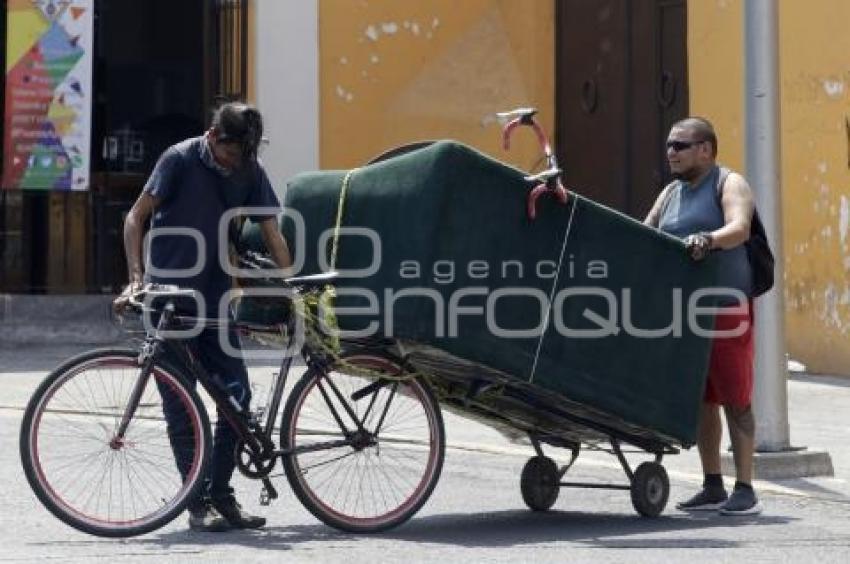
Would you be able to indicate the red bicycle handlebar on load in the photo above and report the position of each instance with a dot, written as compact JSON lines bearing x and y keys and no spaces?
{"x":548,"y":180}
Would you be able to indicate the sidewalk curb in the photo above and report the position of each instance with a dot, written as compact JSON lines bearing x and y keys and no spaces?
{"x":785,"y":465}
{"x":57,"y":319}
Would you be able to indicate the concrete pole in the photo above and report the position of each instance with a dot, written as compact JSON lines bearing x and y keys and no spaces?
{"x":770,"y":401}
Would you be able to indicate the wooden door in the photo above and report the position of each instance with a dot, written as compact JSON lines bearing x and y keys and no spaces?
{"x":621,"y":82}
{"x":226,"y":52}
{"x":150,"y":93}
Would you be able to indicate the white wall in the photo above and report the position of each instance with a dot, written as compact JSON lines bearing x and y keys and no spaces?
{"x":287,"y":84}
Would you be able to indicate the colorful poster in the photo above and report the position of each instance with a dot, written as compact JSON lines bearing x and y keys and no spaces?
{"x":47,"y":120}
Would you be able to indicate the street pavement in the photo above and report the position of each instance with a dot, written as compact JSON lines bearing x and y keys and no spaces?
{"x":476,"y":512}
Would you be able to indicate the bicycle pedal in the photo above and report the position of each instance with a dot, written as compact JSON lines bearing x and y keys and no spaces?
{"x":268,"y":493}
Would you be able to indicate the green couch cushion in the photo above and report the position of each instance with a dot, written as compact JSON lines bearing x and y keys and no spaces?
{"x":454,"y":233}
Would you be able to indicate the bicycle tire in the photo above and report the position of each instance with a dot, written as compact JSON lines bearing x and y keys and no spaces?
{"x":383,"y":471}
{"x":72,"y":404}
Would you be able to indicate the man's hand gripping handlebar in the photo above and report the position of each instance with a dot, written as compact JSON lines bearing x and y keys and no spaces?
{"x":128,"y":298}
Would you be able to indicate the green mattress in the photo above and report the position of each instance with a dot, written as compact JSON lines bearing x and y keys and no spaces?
{"x":461,"y":268}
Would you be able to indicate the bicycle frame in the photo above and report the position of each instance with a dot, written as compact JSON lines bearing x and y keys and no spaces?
{"x":258,"y":439}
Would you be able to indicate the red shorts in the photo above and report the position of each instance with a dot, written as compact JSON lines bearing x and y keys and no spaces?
{"x":730,"y":370}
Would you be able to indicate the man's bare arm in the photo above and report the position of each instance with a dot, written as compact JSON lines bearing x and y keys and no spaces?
{"x":275,"y":242}
{"x":654,"y":216}
{"x":737,"y":204}
{"x":133,"y":230}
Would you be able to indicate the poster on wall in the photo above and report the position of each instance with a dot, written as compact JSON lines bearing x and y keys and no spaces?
{"x":47,"y":119}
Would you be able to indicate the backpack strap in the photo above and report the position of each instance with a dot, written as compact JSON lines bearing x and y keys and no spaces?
{"x":721,"y":181}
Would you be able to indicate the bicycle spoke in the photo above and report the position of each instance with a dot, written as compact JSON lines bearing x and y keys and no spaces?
{"x":380,"y":482}
{"x":93,"y":480}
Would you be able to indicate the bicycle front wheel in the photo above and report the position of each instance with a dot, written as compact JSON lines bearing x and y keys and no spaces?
{"x":96,"y":479}
{"x":364,"y":464}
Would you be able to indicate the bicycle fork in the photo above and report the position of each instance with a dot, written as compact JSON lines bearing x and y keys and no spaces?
{"x":146,"y":358}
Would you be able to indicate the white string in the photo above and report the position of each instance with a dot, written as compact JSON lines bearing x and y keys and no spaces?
{"x":552,"y":292}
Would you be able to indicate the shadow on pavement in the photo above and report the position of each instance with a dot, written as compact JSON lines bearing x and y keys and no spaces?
{"x":494,"y":529}
{"x":816,"y":488}
{"x":271,"y":538}
{"x":510,"y":528}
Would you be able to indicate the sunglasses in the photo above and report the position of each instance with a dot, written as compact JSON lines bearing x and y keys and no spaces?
{"x":681,"y":145}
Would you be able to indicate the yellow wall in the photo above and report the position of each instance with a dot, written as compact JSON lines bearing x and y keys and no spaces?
{"x":815,"y":89}
{"x":393,"y":72}
{"x":716,"y":73}
{"x":815,"y":83}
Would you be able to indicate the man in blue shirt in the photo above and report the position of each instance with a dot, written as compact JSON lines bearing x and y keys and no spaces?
{"x":193,"y":185}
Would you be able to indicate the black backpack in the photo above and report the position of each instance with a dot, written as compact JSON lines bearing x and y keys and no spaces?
{"x":758,"y":248}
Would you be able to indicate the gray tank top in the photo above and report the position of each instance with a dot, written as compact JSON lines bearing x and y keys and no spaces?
{"x":691,"y":209}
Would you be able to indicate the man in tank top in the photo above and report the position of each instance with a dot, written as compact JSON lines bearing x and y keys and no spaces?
{"x":716,"y":221}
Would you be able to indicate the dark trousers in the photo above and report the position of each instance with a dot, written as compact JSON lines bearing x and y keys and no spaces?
{"x":229,"y":373}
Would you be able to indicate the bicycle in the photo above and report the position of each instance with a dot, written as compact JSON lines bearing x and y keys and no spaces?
{"x":361,"y":439}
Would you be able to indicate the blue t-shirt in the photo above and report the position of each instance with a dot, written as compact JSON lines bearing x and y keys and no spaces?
{"x":195,"y":194}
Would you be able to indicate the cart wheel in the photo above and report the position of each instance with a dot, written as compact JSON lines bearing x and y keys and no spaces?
{"x":540,"y":483}
{"x":650,"y":489}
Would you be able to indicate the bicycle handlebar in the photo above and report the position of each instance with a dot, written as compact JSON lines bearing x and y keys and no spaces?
{"x":258,"y":261}
{"x":550,"y":179}
{"x":525,"y":116}
{"x":524,"y":113}
{"x":544,"y":176}
{"x":253,"y":259}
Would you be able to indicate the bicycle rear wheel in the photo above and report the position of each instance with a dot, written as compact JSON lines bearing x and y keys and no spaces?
{"x":91,"y":478}
{"x":370,"y":480}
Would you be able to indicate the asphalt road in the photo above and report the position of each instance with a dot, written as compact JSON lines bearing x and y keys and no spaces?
{"x":476,"y":514}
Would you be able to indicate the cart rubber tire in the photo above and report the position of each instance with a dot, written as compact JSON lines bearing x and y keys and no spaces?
{"x":650,"y":489}
{"x":540,"y":483}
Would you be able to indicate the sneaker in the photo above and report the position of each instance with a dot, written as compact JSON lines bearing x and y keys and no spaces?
{"x":207,"y":519}
{"x":743,"y":501}
{"x":237,"y":517}
{"x":710,"y":498}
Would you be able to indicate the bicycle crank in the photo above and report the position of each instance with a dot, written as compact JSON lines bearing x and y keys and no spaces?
{"x":251,"y":464}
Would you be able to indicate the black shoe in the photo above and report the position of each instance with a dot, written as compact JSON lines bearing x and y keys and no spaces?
{"x":743,"y":501}
{"x":236,"y":516}
{"x":207,"y":519}
{"x":709,"y":499}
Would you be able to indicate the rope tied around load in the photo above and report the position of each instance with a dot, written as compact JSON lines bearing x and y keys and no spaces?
{"x":317,"y":308}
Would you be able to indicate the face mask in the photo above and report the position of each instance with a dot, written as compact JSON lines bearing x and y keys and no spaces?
{"x":208,"y":159}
